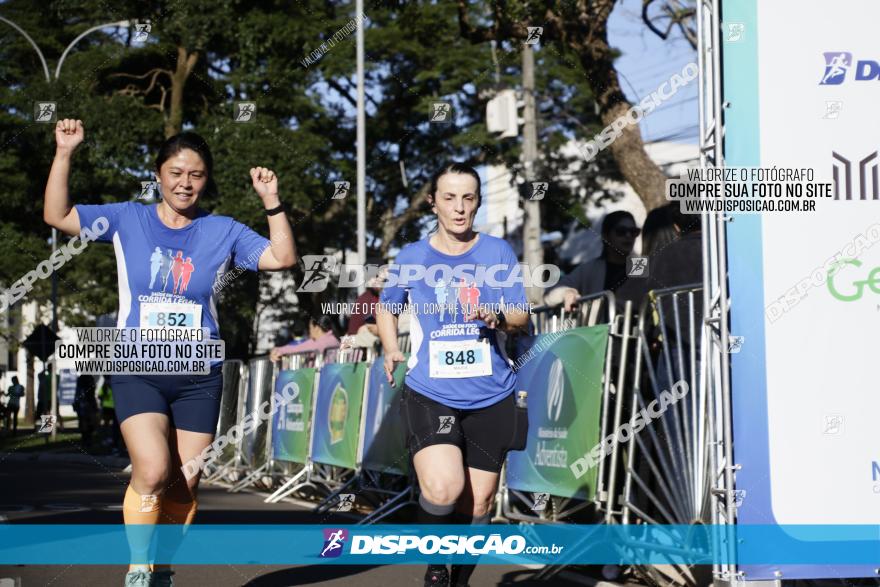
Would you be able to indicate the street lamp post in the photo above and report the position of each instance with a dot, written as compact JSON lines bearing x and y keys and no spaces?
{"x":121,"y":23}
{"x":361,"y":144}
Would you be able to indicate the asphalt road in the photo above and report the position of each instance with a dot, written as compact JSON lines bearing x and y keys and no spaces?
{"x":91,"y":493}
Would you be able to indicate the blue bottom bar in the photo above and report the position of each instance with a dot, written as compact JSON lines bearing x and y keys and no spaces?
{"x":411,"y":544}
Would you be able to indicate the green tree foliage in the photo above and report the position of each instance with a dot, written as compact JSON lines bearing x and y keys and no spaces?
{"x":201,"y":57}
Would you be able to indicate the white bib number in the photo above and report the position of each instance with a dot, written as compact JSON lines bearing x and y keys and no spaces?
{"x":170,"y":315}
{"x":460,"y":358}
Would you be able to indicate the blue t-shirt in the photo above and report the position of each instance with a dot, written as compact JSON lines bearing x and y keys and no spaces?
{"x":489,"y":274}
{"x":156,"y":264}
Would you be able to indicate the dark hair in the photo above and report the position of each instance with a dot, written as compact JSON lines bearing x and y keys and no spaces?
{"x":657,"y":231}
{"x":323,"y":322}
{"x":189,"y":140}
{"x":685,"y":222}
{"x":609,"y":222}
{"x":455,"y":168}
{"x":298,"y":328}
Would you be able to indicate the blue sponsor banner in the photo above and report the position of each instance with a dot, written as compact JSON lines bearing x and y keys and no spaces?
{"x":336,"y":426}
{"x":210,"y":544}
{"x":562,"y":375}
{"x":384,"y":443}
{"x":66,"y":387}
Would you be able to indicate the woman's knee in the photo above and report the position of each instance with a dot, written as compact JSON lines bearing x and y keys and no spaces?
{"x":482,"y":506}
{"x":150,"y":477}
{"x":477,"y":502}
{"x":442,"y":489}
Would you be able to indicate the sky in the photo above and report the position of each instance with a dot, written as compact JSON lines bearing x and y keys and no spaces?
{"x":645,"y":63}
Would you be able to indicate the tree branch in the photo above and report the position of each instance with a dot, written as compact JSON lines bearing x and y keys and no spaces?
{"x":679,"y":16}
{"x":468,"y":31}
{"x":153,"y":71}
{"x":342,"y":91}
{"x":392,"y":224}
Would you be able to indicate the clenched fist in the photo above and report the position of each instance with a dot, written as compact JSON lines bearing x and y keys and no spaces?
{"x":69,"y":133}
{"x":265,"y":184}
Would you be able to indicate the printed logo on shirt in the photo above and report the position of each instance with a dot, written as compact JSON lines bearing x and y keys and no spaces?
{"x":170,"y":271}
{"x":448,"y":298}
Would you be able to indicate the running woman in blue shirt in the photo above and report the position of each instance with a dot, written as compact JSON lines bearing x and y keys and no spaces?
{"x":457,"y":402}
{"x":167,"y":420}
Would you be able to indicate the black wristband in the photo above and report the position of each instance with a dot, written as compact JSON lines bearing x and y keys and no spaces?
{"x":502,"y":320}
{"x":274,"y":211}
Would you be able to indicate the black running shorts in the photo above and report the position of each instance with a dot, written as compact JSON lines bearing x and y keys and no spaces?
{"x":484,"y":435}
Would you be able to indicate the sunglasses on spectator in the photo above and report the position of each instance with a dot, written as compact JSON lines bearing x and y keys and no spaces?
{"x":633,"y":232}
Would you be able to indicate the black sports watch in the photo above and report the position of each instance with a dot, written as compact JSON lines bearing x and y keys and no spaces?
{"x":277,"y":210}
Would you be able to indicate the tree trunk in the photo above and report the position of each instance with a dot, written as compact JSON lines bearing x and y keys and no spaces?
{"x":628,"y":150}
{"x":392,"y":224}
{"x":582,"y":25}
{"x":185,"y":63}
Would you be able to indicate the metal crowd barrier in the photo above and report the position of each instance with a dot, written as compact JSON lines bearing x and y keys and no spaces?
{"x":591,"y":310}
{"x":338,"y":479}
{"x":234,"y":387}
{"x":664,"y":474}
{"x":253,"y":446}
{"x":297,"y":475}
{"x":672,"y":466}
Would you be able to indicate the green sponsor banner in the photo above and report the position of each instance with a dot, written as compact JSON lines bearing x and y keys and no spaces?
{"x":384,"y":442}
{"x":562,"y":374}
{"x":338,"y":414}
{"x":290,"y":433}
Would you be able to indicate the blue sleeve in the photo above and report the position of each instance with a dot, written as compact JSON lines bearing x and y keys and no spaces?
{"x":393,"y":292}
{"x":247,"y":246}
{"x":516,"y":293}
{"x":113,"y":216}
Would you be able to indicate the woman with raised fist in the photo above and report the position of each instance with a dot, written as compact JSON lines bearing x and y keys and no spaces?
{"x":169,"y":258}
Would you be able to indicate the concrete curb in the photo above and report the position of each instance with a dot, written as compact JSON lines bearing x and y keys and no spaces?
{"x":111,"y":462}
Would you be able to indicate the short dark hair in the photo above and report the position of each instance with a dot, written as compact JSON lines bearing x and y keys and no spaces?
{"x":323,"y":322}
{"x":611,"y":220}
{"x":189,"y":140}
{"x":455,"y":168}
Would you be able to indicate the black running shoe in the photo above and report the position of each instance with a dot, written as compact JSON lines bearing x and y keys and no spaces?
{"x":459,"y":575}
{"x":437,"y":576}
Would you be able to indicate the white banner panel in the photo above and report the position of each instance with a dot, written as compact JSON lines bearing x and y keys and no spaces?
{"x":819,"y":104}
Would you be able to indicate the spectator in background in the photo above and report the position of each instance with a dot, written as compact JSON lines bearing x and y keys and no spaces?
{"x":362,"y":330}
{"x":605,"y":272}
{"x":365,"y":307}
{"x":108,"y":412}
{"x":44,"y":393}
{"x":658,"y":230}
{"x":321,"y":338}
{"x":679,"y":263}
{"x":14,"y":393}
{"x":86,"y":407}
{"x":109,"y":421}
